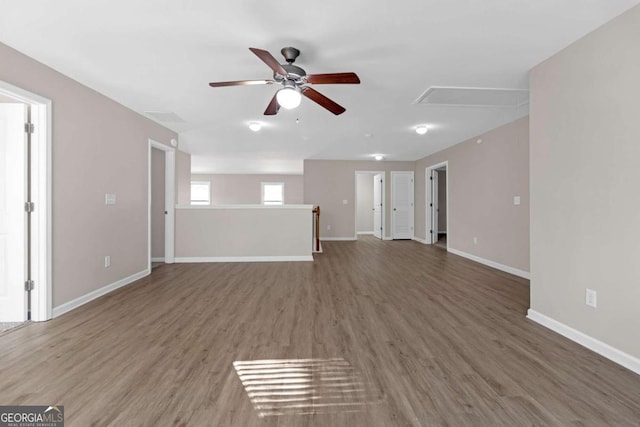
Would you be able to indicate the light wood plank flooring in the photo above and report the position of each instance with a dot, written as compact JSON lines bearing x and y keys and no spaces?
{"x":372,"y":333}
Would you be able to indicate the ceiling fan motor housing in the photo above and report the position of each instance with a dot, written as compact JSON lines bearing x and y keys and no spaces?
{"x":294,"y":73}
{"x":290,"y":54}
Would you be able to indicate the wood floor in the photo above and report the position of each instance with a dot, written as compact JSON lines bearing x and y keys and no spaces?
{"x":372,"y":333}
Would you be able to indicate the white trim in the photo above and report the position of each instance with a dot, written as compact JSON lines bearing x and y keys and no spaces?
{"x":245,"y":259}
{"x":427,"y":193}
{"x":360,"y":233}
{"x":169,"y":200}
{"x":417,"y":239}
{"x":244,"y":207}
{"x":337,"y":239}
{"x":75,"y":303}
{"x":387,"y":238}
{"x":493,"y":264}
{"x":618,"y":356}
{"x":442,"y":231}
{"x":157,"y":259}
{"x":41,"y":191}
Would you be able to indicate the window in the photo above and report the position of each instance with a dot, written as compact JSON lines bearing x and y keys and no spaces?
{"x":200,"y":193}
{"x":273,"y":193}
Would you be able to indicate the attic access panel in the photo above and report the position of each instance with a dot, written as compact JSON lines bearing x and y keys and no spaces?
{"x":474,"y":97}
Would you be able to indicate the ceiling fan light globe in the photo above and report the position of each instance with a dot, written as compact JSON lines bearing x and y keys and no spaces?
{"x":289,"y":98}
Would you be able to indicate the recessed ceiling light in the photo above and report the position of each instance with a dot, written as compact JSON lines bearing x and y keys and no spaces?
{"x":378,"y":157}
{"x":255,"y":126}
{"x":421,"y":129}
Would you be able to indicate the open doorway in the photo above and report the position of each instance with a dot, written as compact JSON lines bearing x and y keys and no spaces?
{"x":437,"y":212}
{"x":370,"y":203}
{"x":161,"y":167}
{"x":25,"y":206}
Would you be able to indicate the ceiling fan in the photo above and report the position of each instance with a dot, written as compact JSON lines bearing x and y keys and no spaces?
{"x":294,"y":81}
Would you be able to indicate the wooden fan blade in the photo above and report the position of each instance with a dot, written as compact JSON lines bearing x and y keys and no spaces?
{"x":333,"y":78}
{"x":242,"y":83}
{"x":268,"y":59}
{"x":322,"y":100}
{"x":273,"y":107}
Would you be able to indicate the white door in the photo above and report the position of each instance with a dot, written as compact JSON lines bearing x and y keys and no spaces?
{"x":434,"y":206}
{"x":377,"y":205}
{"x":13,"y":306}
{"x":402,"y":205}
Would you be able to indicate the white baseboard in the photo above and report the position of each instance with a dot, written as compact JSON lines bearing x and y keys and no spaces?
{"x":364,"y":233}
{"x":68,"y":306}
{"x":417,"y":239}
{"x":245,"y":259}
{"x":387,"y":238}
{"x":158,"y":259}
{"x":337,"y":239}
{"x":620,"y":357}
{"x":493,"y":264}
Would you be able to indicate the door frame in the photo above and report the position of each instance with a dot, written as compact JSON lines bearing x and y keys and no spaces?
{"x":169,"y":200}
{"x":41,"y":219}
{"x":413,"y":203}
{"x":355,"y":204}
{"x":427,"y":196}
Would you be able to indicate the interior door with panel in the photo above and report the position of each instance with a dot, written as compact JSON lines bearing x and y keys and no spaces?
{"x":402,"y":205}
{"x":377,"y":205}
{"x":13,"y":231}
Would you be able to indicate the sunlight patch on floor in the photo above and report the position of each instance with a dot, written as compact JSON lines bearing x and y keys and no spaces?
{"x":304,"y":386}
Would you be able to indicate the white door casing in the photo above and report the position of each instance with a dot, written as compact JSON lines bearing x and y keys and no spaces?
{"x":434,"y":206}
{"x":377,"y":205}
{"x":169,"y":199}
{"x":13,"y":231}
{"x":429,"y":196}
{"x":402,"y":205}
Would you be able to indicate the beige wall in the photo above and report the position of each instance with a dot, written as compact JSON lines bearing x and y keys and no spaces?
{"x":364,"y":217}
{"x":585,"y":149}
{"x":483,"y":179}
{"x":183,"y":178}
{"x":206,"y":233}
{"x":99,"y":147}
{"x":157,"y":202}
{"x":230,"y":189}
{"x":328,"y":182}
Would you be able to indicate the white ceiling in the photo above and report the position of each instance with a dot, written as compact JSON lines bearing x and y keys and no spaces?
{"x":159,"y":55}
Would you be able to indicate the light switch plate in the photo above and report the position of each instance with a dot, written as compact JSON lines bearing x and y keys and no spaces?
{"x":591,"y":298}
{"x":516,"y":200}
{"x":109,"y":199}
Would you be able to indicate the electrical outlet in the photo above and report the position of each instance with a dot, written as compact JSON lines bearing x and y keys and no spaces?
{"x":516,"y":200}
{"x":475,"y":240}
{"x":109,"y":199}
{"x":591,"y":298}
{"x":107,"y":261}
{"x":328,"y":227}
{"x":344,"y":202}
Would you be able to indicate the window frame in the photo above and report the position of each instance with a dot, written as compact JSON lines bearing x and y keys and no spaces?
{"x":270,"y":202}
{"x":200,"y":202}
